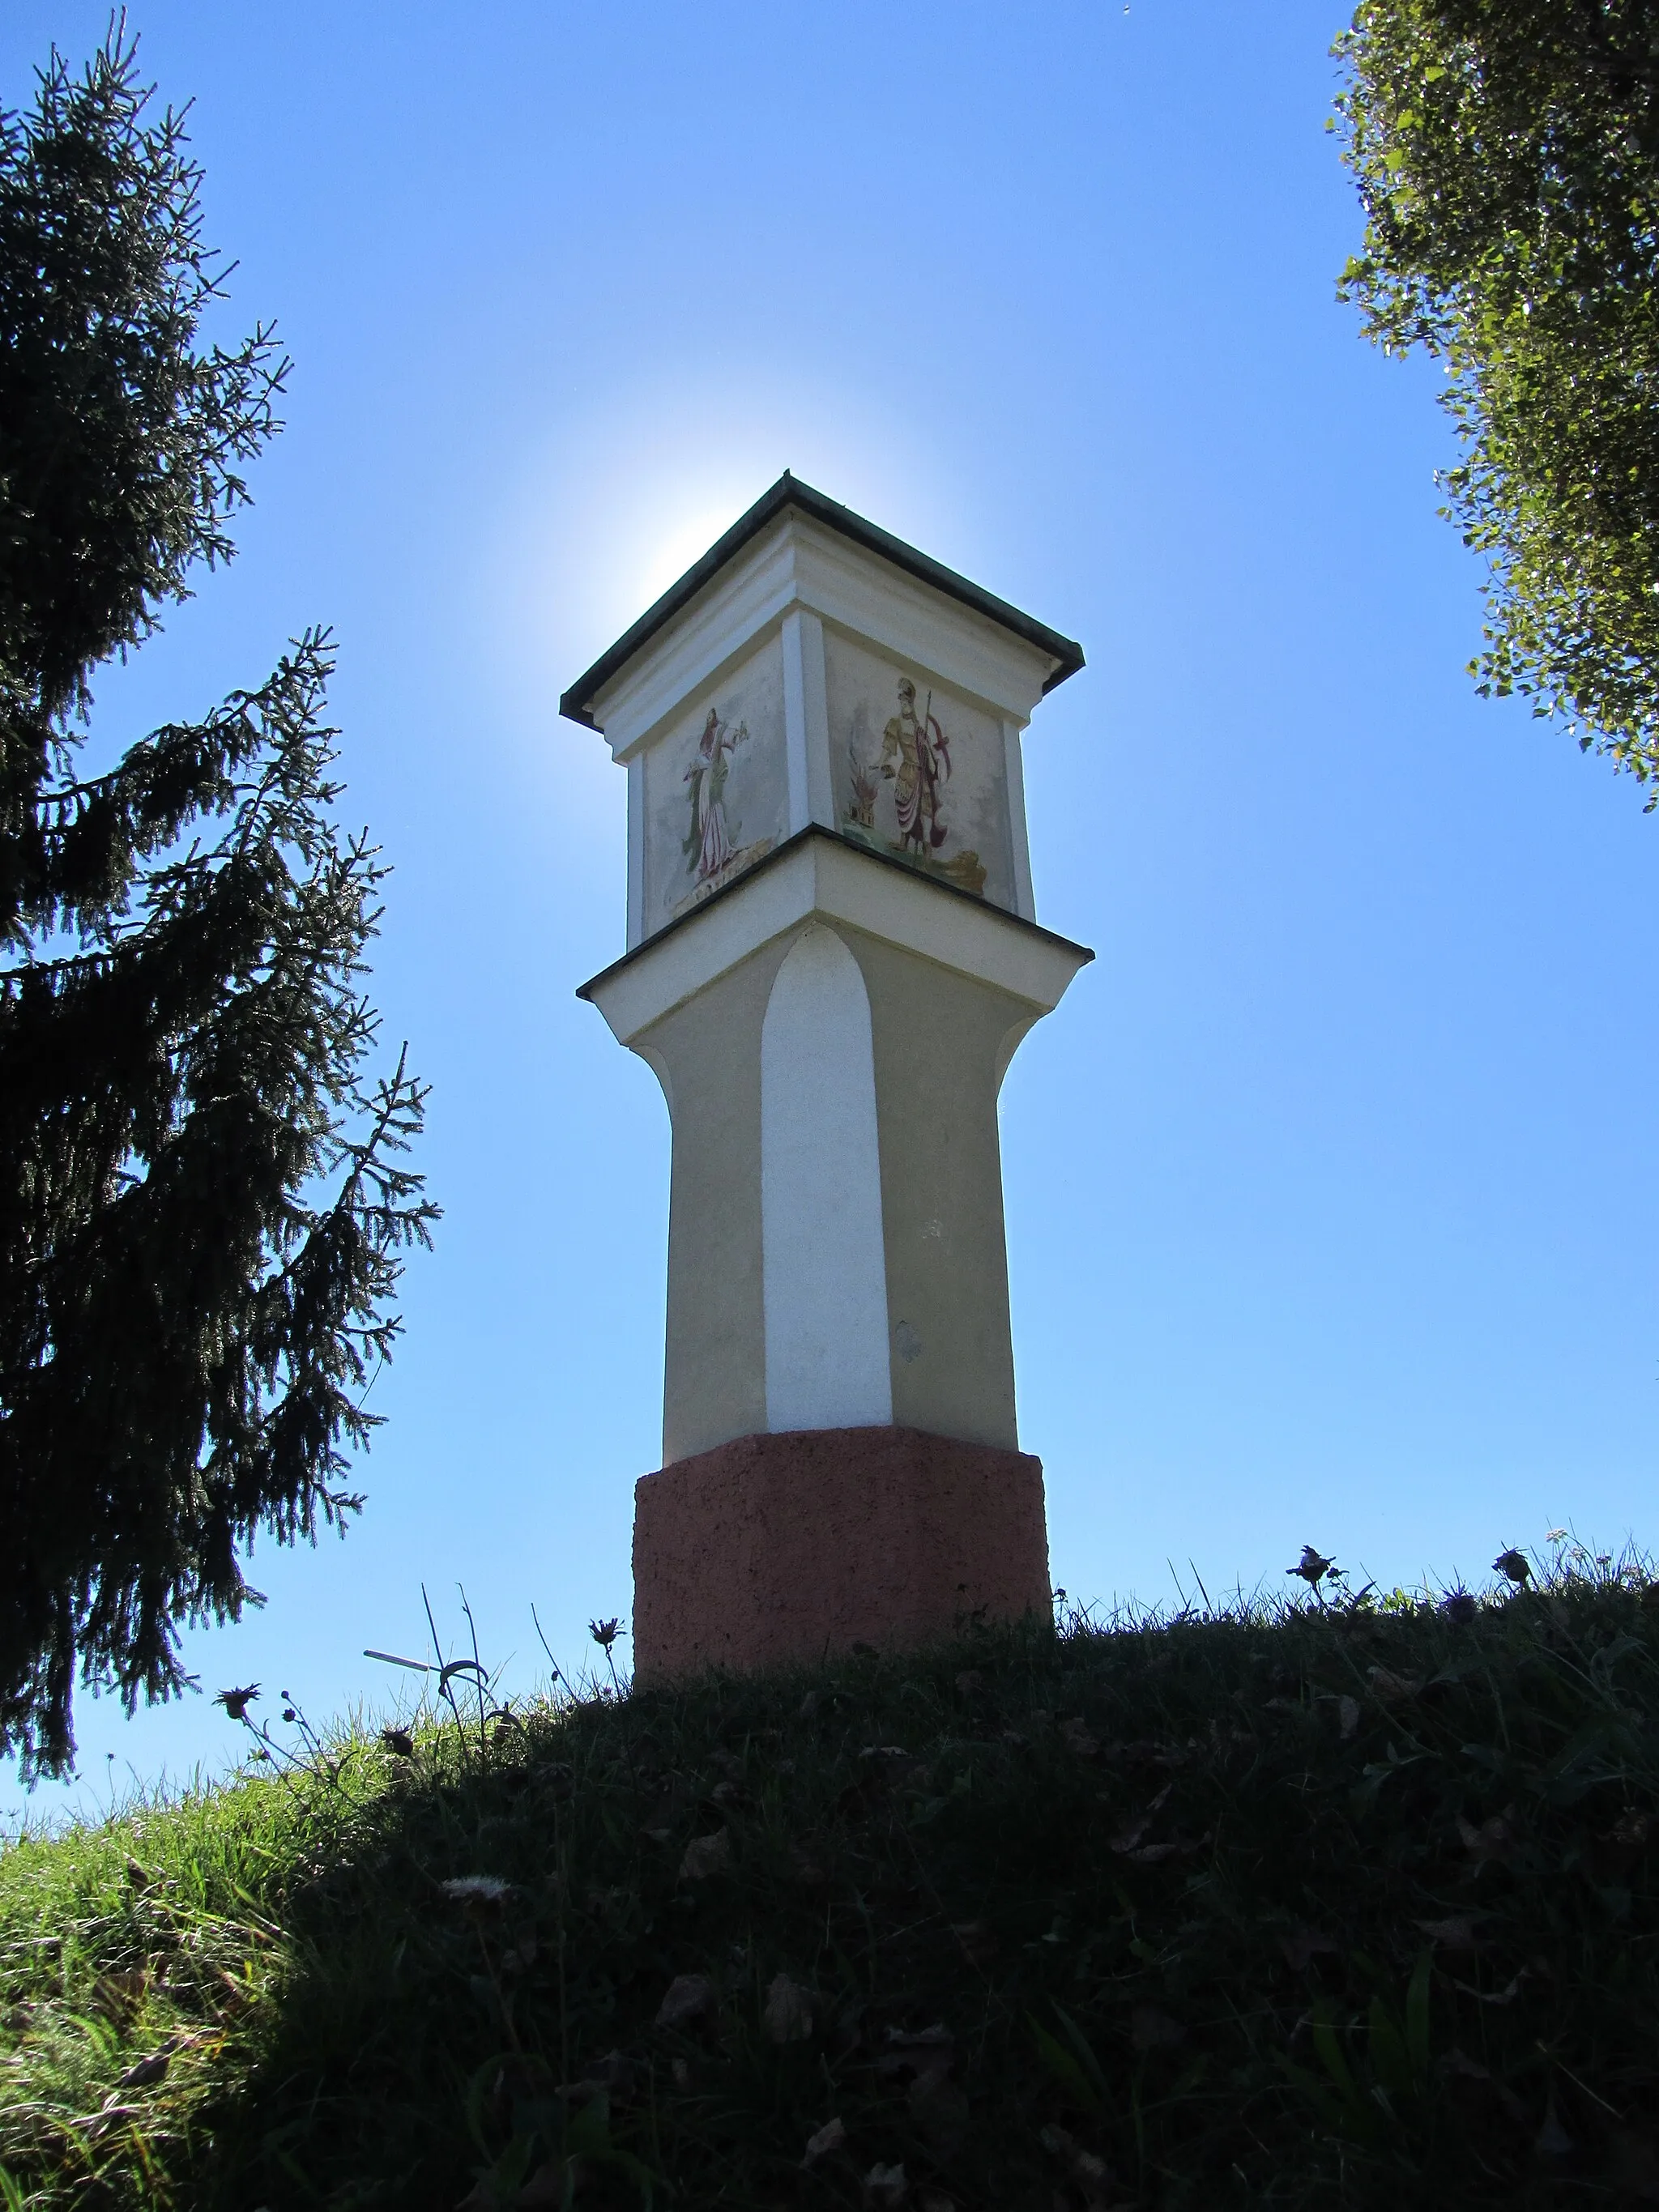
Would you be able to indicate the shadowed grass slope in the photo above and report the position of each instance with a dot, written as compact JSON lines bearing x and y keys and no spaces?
{"x":1292,"y":1908}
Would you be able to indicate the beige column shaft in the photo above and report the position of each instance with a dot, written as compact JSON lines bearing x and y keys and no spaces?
{"x":941,"y":1041}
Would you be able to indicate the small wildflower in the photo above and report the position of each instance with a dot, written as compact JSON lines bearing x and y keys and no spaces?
{"x":1312,"y":1567}
{"x":236,"y":1702}
{"x":478,"y":1889}
{"x":1460,"y":1607}
{"x":604,"y":1632}
{"x":1555,"y":1535}
{"x":1514,"y":1564}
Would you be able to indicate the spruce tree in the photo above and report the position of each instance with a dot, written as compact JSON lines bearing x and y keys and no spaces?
{"x":205,"y":1200}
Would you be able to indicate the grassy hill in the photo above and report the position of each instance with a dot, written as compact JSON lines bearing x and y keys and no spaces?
{"x":1286,"y":1908}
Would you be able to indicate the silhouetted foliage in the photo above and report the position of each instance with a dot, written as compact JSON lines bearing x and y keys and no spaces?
{"x":202,"y":1204}
{"x":1507,"y":155}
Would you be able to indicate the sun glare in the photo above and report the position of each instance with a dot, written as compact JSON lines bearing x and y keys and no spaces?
{"x":685,"y":541}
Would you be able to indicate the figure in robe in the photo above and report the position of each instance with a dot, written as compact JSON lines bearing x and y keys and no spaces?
{"x":707,"y":845}
{"x":915,"y":756}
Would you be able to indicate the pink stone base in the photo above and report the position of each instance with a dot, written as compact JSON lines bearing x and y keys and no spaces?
{"x":781,"y":1547}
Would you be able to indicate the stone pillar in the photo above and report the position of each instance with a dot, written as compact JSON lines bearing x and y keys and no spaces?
{"x":832,"y":958}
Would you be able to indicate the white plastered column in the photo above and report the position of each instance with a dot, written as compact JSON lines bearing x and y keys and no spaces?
{"x":806,"y":721}
{"x":823,"y":1262}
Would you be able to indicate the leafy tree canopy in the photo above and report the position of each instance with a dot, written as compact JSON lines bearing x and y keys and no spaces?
{"x":1507,"y":155}
{"x":202,"y":1198}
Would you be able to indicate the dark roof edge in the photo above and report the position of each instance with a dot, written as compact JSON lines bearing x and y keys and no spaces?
{"x":789,"y":845}
{"x":577,"y":703}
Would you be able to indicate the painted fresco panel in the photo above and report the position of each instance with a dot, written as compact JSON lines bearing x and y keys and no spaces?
{"x":918,"y":772}
{"x":716,"y":789}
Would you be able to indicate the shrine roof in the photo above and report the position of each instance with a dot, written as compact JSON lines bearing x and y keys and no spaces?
{"x":577,"y":703}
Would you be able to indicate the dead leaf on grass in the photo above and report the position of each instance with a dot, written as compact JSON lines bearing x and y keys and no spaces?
{"x":1302,"y":1945}
{"x":543,"y":2191}
{"x":119,"y":1990}
{"x":1636,"y":2160}
{"x":832,"y":2136}
{"x":1392,"y":1689}
{"x":1080,"y":1738}
{"x":1492,"y":1839}
{"x":978,"y":1941}
{"x":1623,"y":1844}
{"x":1155,"y":1854}
{"x":522,"y":1956}
{"x":1154,"y":2031}
{"x":885,"y":2186}
{"x":939,"y":2110}
{"x":615,"y":2075}
{"x":1497,"y":1997}
{"x":1456,"y":1933}
{"x":145,"y":2072}
{"x":690,"y":1997}
{"x":1128,"y":1837}
{"x":1086,"y":2168}
{"x":1553,"y":2140}
{"x":1458,"y":2065}
{"x":918,"y":2051}
{"x":805,"y":1868}
{"x":707,"y":1855}
{"x":786,"y":2016}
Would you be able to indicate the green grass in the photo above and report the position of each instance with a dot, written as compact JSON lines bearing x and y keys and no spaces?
{"x":1287,"y":1908}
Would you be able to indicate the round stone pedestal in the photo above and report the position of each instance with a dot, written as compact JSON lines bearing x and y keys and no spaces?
{"x":797,"y":1546}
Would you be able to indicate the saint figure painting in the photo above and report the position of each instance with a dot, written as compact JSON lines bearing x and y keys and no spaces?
{"x":916,"y":754}
{"x":709,"y":843}
{"x":914,"y":762}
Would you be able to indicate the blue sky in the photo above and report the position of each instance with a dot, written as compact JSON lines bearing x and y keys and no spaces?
{"x":1327,"y":1204}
